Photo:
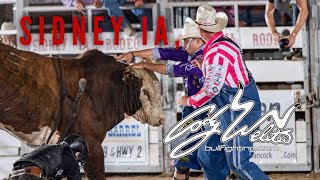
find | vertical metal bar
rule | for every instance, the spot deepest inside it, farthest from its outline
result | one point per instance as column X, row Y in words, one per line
column 20, row 5
column 315, row 60
column 89, row 20
column 311, row 83
column 166, row 84
column 236, row 15
column 155, row 14
column 14, row 9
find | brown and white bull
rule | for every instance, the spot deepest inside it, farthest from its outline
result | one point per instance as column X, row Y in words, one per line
column 29, row 98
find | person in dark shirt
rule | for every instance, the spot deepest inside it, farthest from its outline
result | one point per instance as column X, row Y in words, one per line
column 52, row 161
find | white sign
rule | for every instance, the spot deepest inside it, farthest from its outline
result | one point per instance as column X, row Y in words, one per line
column 254, row 37
column 247, row 37
column 126, row 44
column 126, row 143
column 270, row 153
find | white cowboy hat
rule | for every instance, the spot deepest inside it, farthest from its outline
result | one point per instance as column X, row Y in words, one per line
column 208, row 19
column 8, row 26
column 189, row 30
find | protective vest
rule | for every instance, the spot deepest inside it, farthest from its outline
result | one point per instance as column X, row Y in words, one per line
column 48, row 158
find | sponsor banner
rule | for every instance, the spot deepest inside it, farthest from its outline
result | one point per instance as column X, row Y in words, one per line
column 254, row 37
column 127, row 143
column 247, row 37
column 262, row 38
column 126, row 44
column 268, row 153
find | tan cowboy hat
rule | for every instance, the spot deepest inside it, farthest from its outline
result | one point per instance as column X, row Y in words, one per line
column 189, row 30
column 8, row 26
column 208, row 19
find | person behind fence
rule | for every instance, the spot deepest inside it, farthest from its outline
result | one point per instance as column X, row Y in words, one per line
column 192, row 77
column 52, row 161
column 80, row 6
column 113, row 7
column 281, row 5
column 223, row 68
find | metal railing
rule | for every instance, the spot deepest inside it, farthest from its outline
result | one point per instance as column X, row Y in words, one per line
column 234, row 4
column 7, row 2
column 90, row 9
column 24, row 9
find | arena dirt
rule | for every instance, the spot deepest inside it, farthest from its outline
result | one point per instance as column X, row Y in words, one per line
column 282, row 176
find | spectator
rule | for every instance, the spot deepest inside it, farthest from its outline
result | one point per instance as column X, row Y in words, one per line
column 53, row 161
column 113, row 7
column 6, row 26
column 271, row 6
column 80, row 6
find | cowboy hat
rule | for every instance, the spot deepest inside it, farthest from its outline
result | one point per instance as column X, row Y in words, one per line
column 189, row 30
column 208, row 19
column 8, row 26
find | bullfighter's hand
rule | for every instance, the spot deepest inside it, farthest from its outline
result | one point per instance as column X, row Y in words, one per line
column 79, row 6
column 125, row 56
column 140, row 65
column 98, row 3
column 183, row 101
column 197, row 63
column 292, row 39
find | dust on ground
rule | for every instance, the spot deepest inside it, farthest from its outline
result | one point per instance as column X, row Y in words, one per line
column 198, row 176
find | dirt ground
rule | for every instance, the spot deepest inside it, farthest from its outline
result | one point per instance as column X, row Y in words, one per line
column 278, row 176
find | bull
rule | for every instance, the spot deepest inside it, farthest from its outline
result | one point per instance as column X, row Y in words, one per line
column 30, row 98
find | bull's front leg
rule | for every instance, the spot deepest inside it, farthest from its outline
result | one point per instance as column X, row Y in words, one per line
column 94, row 167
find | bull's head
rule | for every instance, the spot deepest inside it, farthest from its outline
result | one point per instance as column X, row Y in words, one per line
column 151, row 111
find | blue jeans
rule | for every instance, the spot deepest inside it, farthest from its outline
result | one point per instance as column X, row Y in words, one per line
column 113, row 7
column 238, row 161
column 189, row 161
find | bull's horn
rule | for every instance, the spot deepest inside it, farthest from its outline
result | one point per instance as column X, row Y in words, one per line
column 128, row 74
column 141, row 73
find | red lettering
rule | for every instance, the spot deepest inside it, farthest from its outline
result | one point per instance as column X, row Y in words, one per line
column 262, row 39
column 35, row 47
column 116, row 28
column 269, row 39
column 161, row 27
column 41, row 30
column 55, row 21
column 144, row 30
column 43, row 47
column 255, row 40
column 122, row 44
column 78, row 30
column 108, row 44
column 85, row 46
column 97, row 30
column 27, row 41
column 129, row 40
column 136, row 43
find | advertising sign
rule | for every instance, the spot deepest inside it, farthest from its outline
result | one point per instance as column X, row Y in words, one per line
column 126, row 143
